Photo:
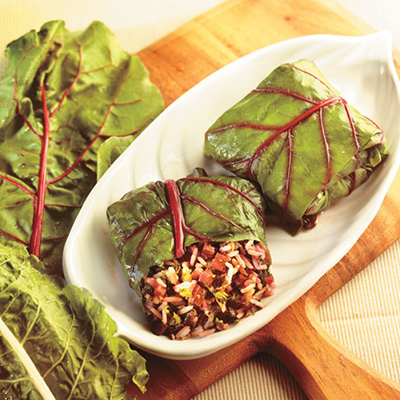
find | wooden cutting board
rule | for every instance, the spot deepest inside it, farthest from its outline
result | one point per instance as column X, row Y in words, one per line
column 323, row 368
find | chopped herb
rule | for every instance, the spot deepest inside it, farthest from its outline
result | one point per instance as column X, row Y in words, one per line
column 185, row 292
column 175, row 320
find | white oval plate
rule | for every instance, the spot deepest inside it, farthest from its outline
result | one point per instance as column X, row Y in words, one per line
column 361, row 68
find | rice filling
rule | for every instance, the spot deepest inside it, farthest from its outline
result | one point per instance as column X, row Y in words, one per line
column 211, row 286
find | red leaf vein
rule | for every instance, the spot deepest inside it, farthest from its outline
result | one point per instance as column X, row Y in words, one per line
column 150, row 222
column 13, row 237
column 285, row 128
column 73, row 83
column 204, row 207
column 285, row 92
column 326, row 148
column 288, row 169
column 98, row 134
column 357, row 143
column 12, row 181
column 313, row 76
column 229, row 187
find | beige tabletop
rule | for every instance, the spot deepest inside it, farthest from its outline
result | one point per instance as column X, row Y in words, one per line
column 365, row 314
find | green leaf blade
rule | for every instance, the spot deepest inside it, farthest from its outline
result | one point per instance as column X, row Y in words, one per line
column 63, row 332
column 110, row 150
column 63, row 94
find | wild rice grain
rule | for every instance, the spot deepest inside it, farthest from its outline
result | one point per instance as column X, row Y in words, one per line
column 156, row 312
column 257, row 303
column 172, row 275
column 196, row 331
column 185, row 310
column 202, row 261
column 182, row 286
column 246, row 261
column 207, row 332
column 193, row 258
column 229, row 275
column 161, row 282
column 248, row 288
column 164, row 318
column 249, row 245
column 175, row 300
column 183, row 332
column 226, row 248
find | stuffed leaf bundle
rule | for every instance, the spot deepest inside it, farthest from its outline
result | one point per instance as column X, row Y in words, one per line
column 195, row 251
column 304, row 145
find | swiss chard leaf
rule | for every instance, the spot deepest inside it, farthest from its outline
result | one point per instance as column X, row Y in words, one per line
column 299, row 139
column 62, row 94
column 57, row 342
column 110, row 150
column 159, row 221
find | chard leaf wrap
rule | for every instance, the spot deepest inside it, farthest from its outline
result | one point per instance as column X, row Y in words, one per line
column 304, row 145
column 158, row 221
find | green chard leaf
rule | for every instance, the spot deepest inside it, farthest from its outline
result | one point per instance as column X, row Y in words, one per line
column 157, row 222
column 110, row 150
column 299, row 140
column 57, row 342
column 61, row 96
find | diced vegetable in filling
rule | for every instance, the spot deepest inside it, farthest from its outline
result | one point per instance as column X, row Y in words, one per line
column 210, row 287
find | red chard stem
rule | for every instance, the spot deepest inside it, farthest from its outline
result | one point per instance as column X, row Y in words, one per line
column 42, row 185
column 177, row 217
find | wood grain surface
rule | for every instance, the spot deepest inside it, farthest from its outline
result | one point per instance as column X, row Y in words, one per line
column 323, row 368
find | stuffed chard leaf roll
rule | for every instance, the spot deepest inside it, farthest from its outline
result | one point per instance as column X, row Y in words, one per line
column 195, row 251
column 300, row 140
